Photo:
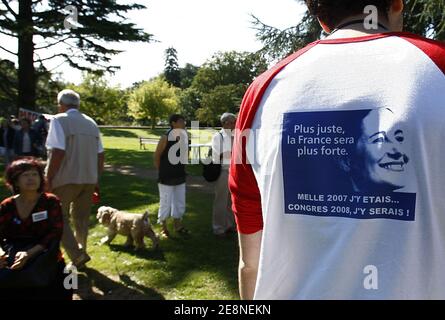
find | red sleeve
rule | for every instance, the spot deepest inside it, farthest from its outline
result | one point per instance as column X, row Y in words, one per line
column 56, row 221
column 433, row 49
column 246, row 197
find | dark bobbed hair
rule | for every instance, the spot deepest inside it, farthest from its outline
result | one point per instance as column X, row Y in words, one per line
column 18, row 167
column 175, row 118
column 332, row 12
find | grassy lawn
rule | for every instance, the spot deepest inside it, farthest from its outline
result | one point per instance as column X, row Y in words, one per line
column 122, row 147
column 199, row 266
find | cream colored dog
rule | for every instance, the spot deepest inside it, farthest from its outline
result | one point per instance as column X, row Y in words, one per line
column 133, row 226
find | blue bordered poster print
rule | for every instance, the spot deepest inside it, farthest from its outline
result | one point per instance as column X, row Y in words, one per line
column 350, row 164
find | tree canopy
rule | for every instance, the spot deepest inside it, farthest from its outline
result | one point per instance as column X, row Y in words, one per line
column 153, row 100
column 220, row 83
column 104, row 103
column 423, row 17
column 171, row 72
column 42, row 33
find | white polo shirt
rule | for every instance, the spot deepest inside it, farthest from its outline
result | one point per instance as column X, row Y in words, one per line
column 56, row 135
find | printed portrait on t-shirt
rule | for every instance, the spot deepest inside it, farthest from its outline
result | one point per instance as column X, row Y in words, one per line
column 379, row 161
column 353, row 163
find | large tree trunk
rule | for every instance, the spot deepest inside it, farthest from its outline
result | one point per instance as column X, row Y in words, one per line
column 26, row 74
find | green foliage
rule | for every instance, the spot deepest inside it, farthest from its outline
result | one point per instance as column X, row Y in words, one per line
column 171, row 72
column 228, row 68
column 189, row 101
column 39, row 25
column 8, row 91
column 423, row 17
column 221, row 82
column 426, row 17
column 47, row 88
column 225, row 98
column 153, row 100
column 278, row 44
column 105, row 104
column 187, row 74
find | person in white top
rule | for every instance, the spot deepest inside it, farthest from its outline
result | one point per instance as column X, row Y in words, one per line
column 338, row 188
column 75, row 162
column 223, row 221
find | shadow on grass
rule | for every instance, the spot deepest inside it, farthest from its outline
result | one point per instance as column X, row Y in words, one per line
column 142, row 159
column 118, row 133
column 127, row 133
column 184, row 257
column 97, row 286
column 201, row 250
column 148, row 253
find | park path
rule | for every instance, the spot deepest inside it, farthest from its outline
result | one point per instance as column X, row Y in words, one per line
column 194, row 183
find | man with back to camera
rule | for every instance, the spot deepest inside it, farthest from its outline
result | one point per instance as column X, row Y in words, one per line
column 379, row 244
column 75, row 162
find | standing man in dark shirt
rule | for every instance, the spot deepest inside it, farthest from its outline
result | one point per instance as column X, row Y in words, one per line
column 170, row 158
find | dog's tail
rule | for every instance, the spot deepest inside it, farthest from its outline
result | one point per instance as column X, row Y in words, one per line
column 145, row 218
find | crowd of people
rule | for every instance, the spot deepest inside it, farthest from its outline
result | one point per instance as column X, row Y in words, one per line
column 52, row 200
column 20, row 137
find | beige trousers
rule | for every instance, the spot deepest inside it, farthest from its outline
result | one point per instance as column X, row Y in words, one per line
column 76, row 202
column 223, row 219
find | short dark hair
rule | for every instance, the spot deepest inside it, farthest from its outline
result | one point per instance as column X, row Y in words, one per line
column 17, row 167
column 332, row 12
column 175, row 118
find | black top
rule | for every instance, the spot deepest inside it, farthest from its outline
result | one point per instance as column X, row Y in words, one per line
column 171, row 174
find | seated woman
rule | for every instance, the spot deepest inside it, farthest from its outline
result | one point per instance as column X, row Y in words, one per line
column 31, row 223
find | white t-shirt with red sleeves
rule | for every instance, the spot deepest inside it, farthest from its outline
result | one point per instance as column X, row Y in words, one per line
column 343, row 170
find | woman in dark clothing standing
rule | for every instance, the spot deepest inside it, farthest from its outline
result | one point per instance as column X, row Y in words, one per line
column 171, row 155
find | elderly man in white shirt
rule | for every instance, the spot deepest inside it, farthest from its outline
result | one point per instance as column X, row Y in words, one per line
column 75, row 162
column 223, row 219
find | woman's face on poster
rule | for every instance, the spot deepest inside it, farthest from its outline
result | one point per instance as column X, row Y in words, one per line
column 381, row 149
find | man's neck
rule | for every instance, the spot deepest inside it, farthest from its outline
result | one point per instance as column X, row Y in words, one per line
column 358, row 29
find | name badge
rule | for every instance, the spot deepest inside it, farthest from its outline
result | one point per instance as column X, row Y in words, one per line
column 39, row 216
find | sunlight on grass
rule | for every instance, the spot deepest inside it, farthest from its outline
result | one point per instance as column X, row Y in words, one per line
column 199, row 266
column 122, row 147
